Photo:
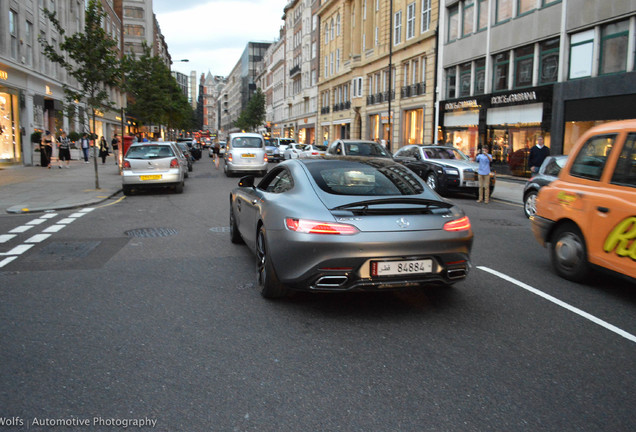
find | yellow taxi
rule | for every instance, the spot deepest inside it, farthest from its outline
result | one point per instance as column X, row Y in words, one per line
column 587, row 217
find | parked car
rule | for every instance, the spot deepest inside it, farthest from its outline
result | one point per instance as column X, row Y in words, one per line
column 345, row 147
column 314, row 150
column 245, row 153
column 153, row 164
column 193, row 146
column 548, row 172
column 186, row 153
column 445, row 169
column 293, row 151
column 272, row 150
column 587, row 217
column 283, row 143
column 348, row 224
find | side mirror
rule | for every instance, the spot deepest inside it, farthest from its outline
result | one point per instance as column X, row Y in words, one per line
column 247, row 181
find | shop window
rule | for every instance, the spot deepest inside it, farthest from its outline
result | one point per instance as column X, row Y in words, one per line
column 500, row 77
column 482, row 14
column 468, row 17
column 581, row 51
column 614, row 38
column 453, row 24
column 503, row 10
column 451, row 82
column 414, row 126
column 591, row 159
column 524, row 60
column 464, row 79
column 480, row 76
column 548, row 61
column 525, row 6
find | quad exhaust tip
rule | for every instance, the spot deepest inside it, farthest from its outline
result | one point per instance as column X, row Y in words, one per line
column 330, row 281
column 456, row 273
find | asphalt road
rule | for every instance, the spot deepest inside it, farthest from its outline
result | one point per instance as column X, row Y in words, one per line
column 143, row 309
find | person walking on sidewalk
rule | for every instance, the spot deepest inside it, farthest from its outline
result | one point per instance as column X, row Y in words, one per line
column 103, row 149
column 84, row 145
column 115, row 144
column 484, row 159
column 64, row 150
column 46, row 149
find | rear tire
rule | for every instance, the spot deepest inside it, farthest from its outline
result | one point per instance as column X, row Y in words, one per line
column 568, row 253
column 235, row 235
column 127, row 190
column 178, row 188
column 266, row 278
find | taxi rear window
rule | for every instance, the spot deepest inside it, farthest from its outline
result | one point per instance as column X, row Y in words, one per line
column 625, row 172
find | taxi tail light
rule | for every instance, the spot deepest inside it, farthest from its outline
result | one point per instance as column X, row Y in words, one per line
column 316, row 227
column 265, row 158
column 174, row 163
column 229, row 157
column 462, row 224
column 126, row 164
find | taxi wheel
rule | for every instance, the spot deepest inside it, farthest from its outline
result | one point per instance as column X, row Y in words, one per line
column 568, row 253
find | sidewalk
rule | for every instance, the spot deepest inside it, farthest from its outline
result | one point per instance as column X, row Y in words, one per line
column 36, row 189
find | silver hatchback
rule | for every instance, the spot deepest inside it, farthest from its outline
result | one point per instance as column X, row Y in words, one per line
column 153, row 164
column 245, row 153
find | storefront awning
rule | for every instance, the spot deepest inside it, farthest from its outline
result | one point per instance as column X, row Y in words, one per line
column 531, row 113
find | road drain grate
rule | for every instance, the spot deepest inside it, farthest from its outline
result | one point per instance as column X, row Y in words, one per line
column 151, row 232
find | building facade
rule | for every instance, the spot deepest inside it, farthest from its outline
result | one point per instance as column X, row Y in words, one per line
column 212, row 86
column 375, row 60
column 32, row 95
column 571, row 68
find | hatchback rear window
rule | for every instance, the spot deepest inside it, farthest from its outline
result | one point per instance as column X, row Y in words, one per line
column 353, row 178
column 149, row 152
column 247, row 142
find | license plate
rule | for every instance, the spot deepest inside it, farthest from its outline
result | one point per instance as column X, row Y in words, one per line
column 249, row 155
column 472, row 184
column 150, row 177
column 392, row 268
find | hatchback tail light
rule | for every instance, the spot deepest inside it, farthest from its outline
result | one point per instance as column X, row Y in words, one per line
column 229, row 157
column 462, row 224
column 126, row 164
column 174, row 163
column 315, row 227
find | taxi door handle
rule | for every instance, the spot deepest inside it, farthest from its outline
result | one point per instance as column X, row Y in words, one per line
column 603, row 209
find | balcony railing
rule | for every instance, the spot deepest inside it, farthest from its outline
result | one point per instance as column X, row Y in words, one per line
column 324, row 110
column 413, row 90
column 380, row 98
column 295, row 70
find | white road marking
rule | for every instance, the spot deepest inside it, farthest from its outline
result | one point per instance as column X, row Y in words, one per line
column 77, row 215
column 49, row 216
column 6, row 237
column 564, row 305
column 38, row 238
column 66, row 221
column 7, row 260
column 21, row 229
column 36, row 221
column 53, row 228
column 18, row 250
column 87, row 210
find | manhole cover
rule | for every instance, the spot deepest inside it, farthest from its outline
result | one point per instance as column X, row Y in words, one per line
column 220, row 229
column 151, row 232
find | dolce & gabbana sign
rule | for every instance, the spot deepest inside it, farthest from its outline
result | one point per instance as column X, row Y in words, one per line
column 451, row 106
column 514, row 98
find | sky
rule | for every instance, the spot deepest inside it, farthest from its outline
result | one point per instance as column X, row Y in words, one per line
column 212, row 34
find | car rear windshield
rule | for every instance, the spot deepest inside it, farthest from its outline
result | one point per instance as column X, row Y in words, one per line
column 366, row 149
column 247, row 142
column 365, row 178
column 149, row 152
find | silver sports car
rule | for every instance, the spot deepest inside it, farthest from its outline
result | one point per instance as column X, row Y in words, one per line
column 348, row 223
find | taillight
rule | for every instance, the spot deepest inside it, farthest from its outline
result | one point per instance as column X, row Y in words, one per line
column 126, row 164
column 462, row 224
column 315, row 227
column 265, row 158
column 229, row 157
column 174, row 163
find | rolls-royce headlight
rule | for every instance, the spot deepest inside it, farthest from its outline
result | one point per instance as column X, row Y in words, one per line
column 451, row 171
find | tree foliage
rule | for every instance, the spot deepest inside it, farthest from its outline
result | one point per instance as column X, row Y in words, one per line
column 253, row 115
column 91, row 58
column 155, row 96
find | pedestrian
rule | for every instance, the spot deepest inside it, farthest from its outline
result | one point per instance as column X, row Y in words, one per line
column 538, row 153
column 483, row 172
column 115, row 145
column 216, row 150
column 84, row 145
column 46, row 149
column 64, row 150
column 103, row 149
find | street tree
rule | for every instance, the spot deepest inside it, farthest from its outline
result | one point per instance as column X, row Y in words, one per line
column 155, row 96
column 253, row 115
column 92, row 58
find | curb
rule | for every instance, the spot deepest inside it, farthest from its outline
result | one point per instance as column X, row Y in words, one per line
column 22, row 210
